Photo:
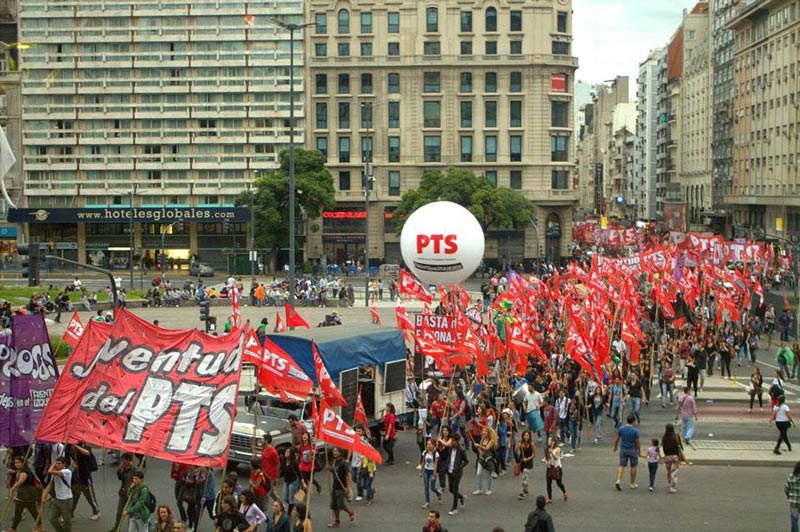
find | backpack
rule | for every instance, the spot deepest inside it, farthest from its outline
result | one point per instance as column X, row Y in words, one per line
column 92, row 462
column 775, row 390
column 151, row 501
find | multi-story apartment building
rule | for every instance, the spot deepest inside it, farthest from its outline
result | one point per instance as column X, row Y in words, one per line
column 644, row 173
column 618, row 161
column 720, row 12
column 765, row 197
column 411, row 86
column 695, row 176
column 173, row 106
column 10, row 119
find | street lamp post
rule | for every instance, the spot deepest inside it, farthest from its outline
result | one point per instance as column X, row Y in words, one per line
column 367, row 184
column 292, row 28
column 252, row 231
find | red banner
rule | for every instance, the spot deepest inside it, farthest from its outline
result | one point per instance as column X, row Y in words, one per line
column 136, row 387
column 74, row 330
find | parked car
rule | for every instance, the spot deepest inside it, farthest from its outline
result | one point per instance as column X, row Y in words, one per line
column 201, row 269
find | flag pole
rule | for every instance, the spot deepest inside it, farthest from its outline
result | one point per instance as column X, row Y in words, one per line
column 8, row 501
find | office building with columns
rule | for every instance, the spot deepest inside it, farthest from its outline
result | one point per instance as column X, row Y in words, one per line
column 410, row 86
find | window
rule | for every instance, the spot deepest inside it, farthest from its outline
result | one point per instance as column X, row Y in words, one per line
column 320, row 23
column 431, row 48
column 561, row 22
column 393, row 49
column 515, row 148
column 558, row 148
column 491, row 48
column 394, row 183
column 559, row 112
column 515, row 47
column 466, row 114
column 322, row 115
column 366, row 150
column 491, row 19
column 491, row 148
column 490, row 113
column 515, row 179
column 394, row 149
column 466, row 47
column 366, row 49
column 344, row 115
column 394, row 114
column 466, row 21
column 321, row 84
column 466, row 82
column 393, row 22
column 366, row 22
column 432, row 114
column 559, row 180
column 432, row 149
column 515, row 113
column 322, row 146
column 515, row 84
column 344, row 84
column 560, row 48
column 431, row 20
column 344, row 180
column 432, row 82
column 490, row 82
column 366, row 83
column 366, row 116
column 343, row 49
column 394, row 83
column 321, row 49
column 343, row 22
column 466, row 148
column 516, row 20
column 344, row 150
column 491, row 177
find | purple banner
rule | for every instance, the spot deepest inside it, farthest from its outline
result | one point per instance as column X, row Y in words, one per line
column 28, row 373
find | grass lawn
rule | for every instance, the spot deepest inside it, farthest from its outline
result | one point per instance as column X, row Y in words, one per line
column 19, row 295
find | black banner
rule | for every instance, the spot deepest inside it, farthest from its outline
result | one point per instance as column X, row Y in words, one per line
column 123, row 214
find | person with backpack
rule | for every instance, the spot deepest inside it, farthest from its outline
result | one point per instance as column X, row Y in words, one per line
column 61, row 486
column 140, row 504
column 539, row 520
column 27, row 490
column 85, row 465
column 775, row 389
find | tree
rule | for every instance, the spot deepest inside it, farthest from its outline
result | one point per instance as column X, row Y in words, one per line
column 314, row 193
column 496, row 208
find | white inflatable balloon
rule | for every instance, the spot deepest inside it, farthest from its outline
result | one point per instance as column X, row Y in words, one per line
column 442, row 243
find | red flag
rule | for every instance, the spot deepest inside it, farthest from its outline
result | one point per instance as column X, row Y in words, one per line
column 74, row 330
column 331, row 428
column 373, row 311
column 293, row 319
column 280, row 374
column 464, row 296
column 404, row 323
column 251, row 351
column 759, row 291
column 237, row 315
column 360, row 415
column 279, row 327
column 786, row 301
column 409, row 285
column 327, row 388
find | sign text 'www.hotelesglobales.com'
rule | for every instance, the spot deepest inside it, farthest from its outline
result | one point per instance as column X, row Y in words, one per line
column 137, row 387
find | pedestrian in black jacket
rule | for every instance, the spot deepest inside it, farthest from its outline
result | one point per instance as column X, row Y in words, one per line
column 456, row 462
column 539, row 520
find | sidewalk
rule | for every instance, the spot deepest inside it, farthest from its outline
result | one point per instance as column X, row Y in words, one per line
column 738, row 453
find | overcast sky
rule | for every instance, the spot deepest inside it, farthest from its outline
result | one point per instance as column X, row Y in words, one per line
column 613, row 36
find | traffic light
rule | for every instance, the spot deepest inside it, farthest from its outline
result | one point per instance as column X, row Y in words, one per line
column 205, row 310
column 30, row 263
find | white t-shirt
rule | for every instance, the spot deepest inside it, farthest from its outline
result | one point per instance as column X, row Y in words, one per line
column 63, row 485
column 781, row 412
column 534, row 400
column 429, row 460
column 355, row 460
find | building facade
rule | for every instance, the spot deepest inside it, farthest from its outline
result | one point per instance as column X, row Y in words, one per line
column 10, row 121
column 647, row 119
column 765, row 197
column 720, row 12
column 409, row 86
column 147, row 105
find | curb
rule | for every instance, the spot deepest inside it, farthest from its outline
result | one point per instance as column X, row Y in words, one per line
column 748, row 462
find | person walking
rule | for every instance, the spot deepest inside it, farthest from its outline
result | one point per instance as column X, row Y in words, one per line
column 598, row 406
column 137, row 509
column 390, row 432
column 27, row 490
column 85, row 465
column 673, row 455
column 340, row 488
column 432, row 523
column 533, row 403
column 782, row 418
column 429, row 462
column 792, row 491
column 756, row 388
column 526, row 454
column 555, row 471
column 290, row 474
column 627, row 441
column 668, row 384
column 61, row 486
column 486, row 460
column 125, row 476
column 539, row 520
column 456, row 462
column 686, row 411
column 653, row 456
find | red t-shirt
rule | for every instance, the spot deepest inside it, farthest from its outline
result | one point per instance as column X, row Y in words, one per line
column 262, row 488
column 388, row 427
column 305, row 455
column 270, row 462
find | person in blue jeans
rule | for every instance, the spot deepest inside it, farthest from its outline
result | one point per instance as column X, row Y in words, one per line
column 653, row 456
column 792, row 491
column 430, row 464
column 627, row 442
column 619, row 394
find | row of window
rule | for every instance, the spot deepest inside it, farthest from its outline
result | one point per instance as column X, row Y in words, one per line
column 434, row 48
column 432, row 83
column 559, row 180
column 432, row 148
column 432, row 114
column 490, row 21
